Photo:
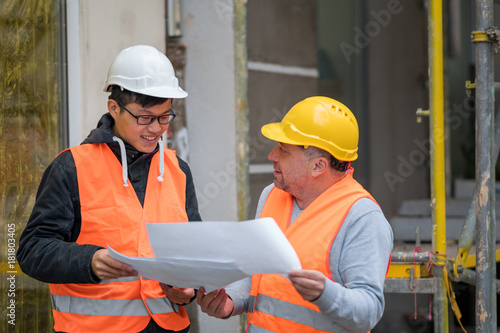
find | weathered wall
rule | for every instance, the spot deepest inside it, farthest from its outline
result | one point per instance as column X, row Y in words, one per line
column 210, row 79
column 282, row 70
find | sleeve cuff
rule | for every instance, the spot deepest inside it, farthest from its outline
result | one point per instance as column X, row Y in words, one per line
column 324, row 301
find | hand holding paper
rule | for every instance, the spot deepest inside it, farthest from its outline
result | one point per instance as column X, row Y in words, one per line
column 213, row 254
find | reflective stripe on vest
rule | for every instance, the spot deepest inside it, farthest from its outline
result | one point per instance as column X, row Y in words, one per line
column 292, row 312
column 255, row 329
column 113, row 215
column 159, row 305
column 111, row 307
column 99, row 307
column 123, row 279
column 276, row 305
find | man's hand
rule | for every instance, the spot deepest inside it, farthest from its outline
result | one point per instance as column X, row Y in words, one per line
column 309, row 284
column 105, row 267
column 216, row 304
column 180, row 296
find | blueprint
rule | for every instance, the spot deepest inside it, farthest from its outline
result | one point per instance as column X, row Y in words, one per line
column 213, row 254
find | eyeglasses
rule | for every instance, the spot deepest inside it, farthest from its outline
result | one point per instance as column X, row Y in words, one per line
column 148, row 120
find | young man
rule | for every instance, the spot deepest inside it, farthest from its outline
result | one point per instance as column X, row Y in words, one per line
column 339, row 232
column 101, row 193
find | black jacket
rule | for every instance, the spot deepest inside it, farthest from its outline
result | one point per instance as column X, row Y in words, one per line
column 47, row 249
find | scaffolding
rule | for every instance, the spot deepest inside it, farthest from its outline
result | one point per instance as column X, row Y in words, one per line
column 409, row 271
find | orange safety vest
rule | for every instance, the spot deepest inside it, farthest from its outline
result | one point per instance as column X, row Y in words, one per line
column 274, row 304
column 112, row 214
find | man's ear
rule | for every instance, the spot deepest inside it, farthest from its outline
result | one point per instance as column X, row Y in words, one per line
column 320, row 166
column 113, row 108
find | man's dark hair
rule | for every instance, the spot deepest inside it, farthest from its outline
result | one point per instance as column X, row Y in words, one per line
column 125, row 97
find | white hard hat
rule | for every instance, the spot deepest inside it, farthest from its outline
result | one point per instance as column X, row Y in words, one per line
column 145, row 70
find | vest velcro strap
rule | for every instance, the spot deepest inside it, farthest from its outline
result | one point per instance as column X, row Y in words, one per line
column 293, row 312
column 255, row 329
column 99, row 307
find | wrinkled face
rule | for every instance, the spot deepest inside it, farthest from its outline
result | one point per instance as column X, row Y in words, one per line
column 143, row 137
column 291, row 168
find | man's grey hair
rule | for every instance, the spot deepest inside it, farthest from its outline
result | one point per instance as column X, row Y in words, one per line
column 313, row 152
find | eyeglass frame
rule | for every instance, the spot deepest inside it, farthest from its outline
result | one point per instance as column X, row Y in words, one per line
column 153, row 118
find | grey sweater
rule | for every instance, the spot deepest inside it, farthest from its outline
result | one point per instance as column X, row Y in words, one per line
column 354, row 300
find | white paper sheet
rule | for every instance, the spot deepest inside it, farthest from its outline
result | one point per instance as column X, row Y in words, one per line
column 213, row 254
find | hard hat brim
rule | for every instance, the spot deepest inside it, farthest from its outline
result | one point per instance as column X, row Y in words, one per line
column 161, row 92
column 273, row 131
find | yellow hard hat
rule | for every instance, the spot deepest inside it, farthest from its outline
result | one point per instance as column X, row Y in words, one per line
column 320, row 122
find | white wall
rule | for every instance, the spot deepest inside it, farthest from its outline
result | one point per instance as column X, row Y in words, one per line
column 210, row 112
column 210, row 81
column 105, row 28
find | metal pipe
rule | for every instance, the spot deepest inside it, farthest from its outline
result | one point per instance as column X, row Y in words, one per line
column 410, row 257
column 438, row 189
column 438, row 186
column 469, row 276
column 241, row 109
column 485, row 194
column 469, row 228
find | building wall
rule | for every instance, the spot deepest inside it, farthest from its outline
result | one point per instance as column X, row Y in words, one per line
column 210, row 107
column 397, row 87
column 282, row 70
column 210, row 77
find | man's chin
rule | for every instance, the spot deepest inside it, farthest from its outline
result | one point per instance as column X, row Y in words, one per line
column 145, row 151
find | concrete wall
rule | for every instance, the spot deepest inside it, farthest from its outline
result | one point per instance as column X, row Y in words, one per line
column 282, row 70
column 210, row 107
column 210, row 116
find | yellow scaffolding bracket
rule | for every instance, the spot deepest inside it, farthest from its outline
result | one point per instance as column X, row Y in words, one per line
column 397, row 270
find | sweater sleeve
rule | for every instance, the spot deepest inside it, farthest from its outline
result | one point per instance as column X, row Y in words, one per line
column 359, row 258
column 239, row 293
column 47, row 249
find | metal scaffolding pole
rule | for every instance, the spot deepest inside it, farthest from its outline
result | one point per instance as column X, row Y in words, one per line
column 485, row 176
column 469, row 229
column 438, row 185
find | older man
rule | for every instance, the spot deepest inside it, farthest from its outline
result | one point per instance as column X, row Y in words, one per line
column 337, row 229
